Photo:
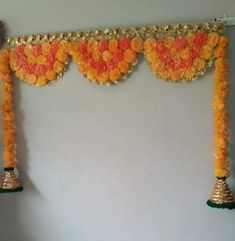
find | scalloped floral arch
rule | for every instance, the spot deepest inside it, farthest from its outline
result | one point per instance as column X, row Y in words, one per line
column 176, row 53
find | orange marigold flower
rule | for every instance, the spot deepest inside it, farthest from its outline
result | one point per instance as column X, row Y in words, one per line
column 220, row 52
column 113, row 45
column 149, row 44
column 199, row 64
column 206, row 52
column 222, row 173
column 61, row 55
column 213, row 39
column 51, row 75
column 221, row 64
column 177, row 75
column 92, row 74
column 46, row 48
column 103, row 77
column 8, row 156
column 223, row 42
column 169, row 41
column 115, row 74
column 190, row 37
column 9, row 164
column 123, row 66
column 137, row 44
column 130, row 55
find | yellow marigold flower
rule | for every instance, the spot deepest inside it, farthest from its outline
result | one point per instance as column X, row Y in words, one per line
column 177, row 75
column 30, row 78
column 123, row 66
column 137, row 44
column 151, row 56
column 28, row 49
column 70, row 47
column 91, row 44
column 206, row 52
column 78, row 58
column 199, row 64
column 20, row 73
column 103, row 77
column 96, row 55
column 130, row 56
column 165, row 74
column 46, row 48
column 83, row 68
column 213, row 39
column 190, row 37
column 58, row 67
column 169, row 41
column 115, row 75
column 107, row 55
column 113, row 45
column 41, row 59
column 61, row 55
column 190, row 73
column 51, row 75
column 221, row 142
column 184, row 53
column 32, row 60
column 41, row 81
column 149, row 44
column 92, row 74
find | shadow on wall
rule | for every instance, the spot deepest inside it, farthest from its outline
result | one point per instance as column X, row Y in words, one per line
column 11, row 213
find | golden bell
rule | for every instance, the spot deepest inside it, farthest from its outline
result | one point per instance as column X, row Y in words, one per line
column 10, row 182
column 221, row 196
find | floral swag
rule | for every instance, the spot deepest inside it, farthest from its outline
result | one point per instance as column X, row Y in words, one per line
column 178, row 53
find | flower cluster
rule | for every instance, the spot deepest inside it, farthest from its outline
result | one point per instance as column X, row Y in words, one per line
column 39, row 64
column 105, row 61
column 180, row 58
column 8, row 115
column 220, row 109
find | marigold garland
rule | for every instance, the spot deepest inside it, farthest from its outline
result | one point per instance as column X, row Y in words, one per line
column 181, row 58
column 106, row 61
column 220, row 109
column 39, row 64
column 8, row 114
column 177, row 53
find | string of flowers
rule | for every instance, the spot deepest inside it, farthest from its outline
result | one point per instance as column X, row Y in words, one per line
column 8, row 114
column 106, row 61
column 182, row 58
column 221, row 133
column 39, row 64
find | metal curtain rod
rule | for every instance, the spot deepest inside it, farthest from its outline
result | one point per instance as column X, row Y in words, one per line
column 228, row 21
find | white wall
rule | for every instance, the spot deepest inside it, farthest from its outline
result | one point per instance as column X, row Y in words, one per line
column 132, row 162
